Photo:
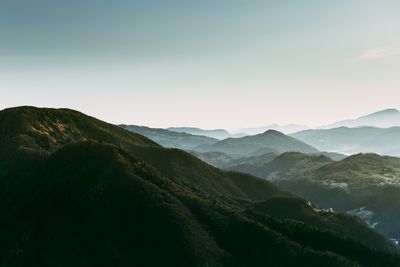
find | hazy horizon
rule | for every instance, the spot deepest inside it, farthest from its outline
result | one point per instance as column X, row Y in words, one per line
column 208, row 64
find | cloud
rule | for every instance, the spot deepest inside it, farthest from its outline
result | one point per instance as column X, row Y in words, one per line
column 378, row 53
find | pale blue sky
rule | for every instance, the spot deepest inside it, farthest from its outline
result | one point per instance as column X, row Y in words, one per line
column 209, row 63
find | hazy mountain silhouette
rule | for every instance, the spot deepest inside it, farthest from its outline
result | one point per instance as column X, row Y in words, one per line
column 286, row 129
column 173, row 139
column 383, row 141
column 217, row 133
column 76, row 191
column 383, row 119
column 270, row 141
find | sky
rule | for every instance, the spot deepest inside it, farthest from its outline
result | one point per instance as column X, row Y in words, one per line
column 210, row 63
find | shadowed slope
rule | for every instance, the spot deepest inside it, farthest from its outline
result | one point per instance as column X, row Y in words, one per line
column 368, row 184
column 94, row 204
column 283, row 164
column 126, row 202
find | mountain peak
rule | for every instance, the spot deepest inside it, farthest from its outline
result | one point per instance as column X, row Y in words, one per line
column 271, row 131
column 49, row 129
column 214, row 133
column 385, row 118
column 389, row 111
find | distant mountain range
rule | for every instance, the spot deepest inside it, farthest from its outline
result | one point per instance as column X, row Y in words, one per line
column 384, row 141
column 383, row 119
column 223, row 134
column 171, row 139
column 217, row 133
column 76, row 191
column 269, row 141
column 350, row 138
column 286, row 129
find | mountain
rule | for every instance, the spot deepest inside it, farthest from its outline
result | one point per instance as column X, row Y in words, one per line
column 77, row 191
column 383, row 119
column 216, row 159
column 278, row 166
column 217, row 133
column 229, row 161
column 270, row 141
column 225, row 161
column 383, row 141
column 332, row 155
column 367, row 185
column 171, row 139
column 286, row 129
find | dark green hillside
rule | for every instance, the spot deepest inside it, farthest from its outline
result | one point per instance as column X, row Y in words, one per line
column 227, row 161
column 283, row 164
column 224, row 161
column 108, row 197
column 270, row 141
column 216, row 159
column 357, row 172
column 368, row 184
column 94, row 204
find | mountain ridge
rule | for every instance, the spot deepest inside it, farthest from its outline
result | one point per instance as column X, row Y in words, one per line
column 172, row 139
column 215, row 133
column 286, row 129
column 91, row 193
column 354, row 140
column 271, row 140
column 383, row 119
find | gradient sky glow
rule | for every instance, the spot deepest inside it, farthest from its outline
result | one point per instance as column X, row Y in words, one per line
column 210, row 63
